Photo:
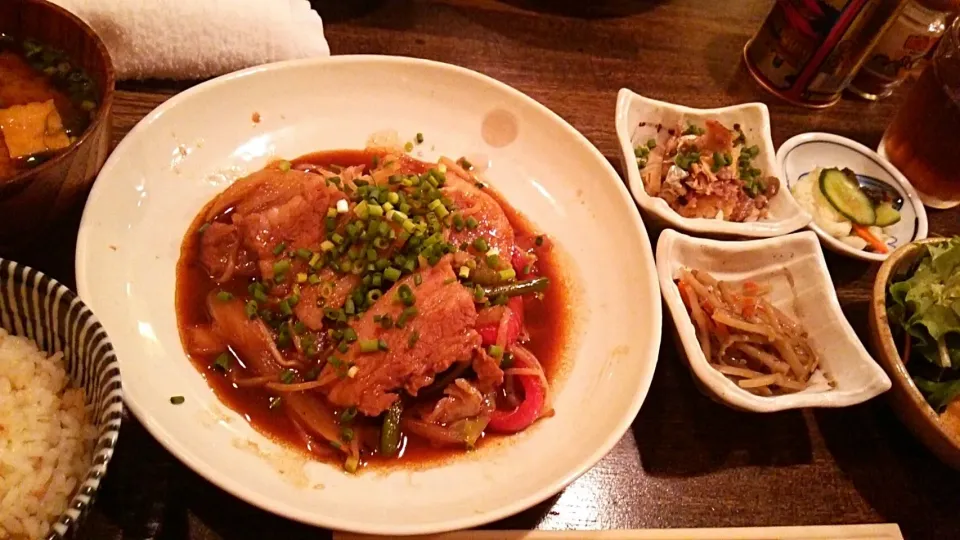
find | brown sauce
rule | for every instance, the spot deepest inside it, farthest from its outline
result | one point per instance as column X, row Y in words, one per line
column 546, row 321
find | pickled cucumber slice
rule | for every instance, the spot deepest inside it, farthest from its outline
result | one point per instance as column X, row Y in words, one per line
column 845, row 195
column 886, row 215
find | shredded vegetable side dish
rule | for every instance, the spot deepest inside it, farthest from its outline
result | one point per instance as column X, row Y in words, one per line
column 366, row 306
column 745, row 337
column 706, row 172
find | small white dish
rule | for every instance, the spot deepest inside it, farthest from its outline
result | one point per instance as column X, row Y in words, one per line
column 803, row 153
column 194, row 145
column 785, row 215
column 811, row 301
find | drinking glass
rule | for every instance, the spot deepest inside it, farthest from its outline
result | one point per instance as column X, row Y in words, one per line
column 923, row 141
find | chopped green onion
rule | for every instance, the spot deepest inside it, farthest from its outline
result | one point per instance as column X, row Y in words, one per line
column 222, row 362
column 405, row 294
column 472, row 222
column 651, row 144
column 337, row 238
column 419, row 138
column 375, row 210
column 369, row 345
column 386, row 322
column 373, row 295
column 346, row 434
column 313, row 279
column 287, row 376
column 417, row 279
column 391, row 273
column 496, row 351
column 278, row 249
column 406, row 315
column 177, row 400
column 281, row 266
column 508, row 274
column 412, row 340
column 361, row 210
column 347, row 415
column 464, row 272
column 349, row 335
column 251, row 309
column 349, row 307
column 481, row 245
column 284, row 166
column 382, row 345
column 304, row 254
column 224, row 296
column 408, row 147
column 284, row 306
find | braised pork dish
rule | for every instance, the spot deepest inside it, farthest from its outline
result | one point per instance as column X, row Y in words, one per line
column 367, row 307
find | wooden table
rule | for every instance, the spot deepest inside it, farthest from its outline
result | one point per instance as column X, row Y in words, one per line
column 686, row 461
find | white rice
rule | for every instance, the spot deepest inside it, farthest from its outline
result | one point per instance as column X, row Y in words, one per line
column 46, row 438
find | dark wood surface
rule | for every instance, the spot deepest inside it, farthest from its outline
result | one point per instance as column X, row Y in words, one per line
column 686, row 461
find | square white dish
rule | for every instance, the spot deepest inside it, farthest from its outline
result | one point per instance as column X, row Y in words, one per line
column 785, row 215
column 811, row 301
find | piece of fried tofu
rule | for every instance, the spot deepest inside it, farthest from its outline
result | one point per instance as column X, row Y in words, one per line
column 34, row 128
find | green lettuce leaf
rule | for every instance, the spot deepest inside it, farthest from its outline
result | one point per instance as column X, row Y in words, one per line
column 938, row 394
column 927, row 304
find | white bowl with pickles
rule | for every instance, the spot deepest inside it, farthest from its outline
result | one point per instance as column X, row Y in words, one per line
column 706, row 171
column 862, row 206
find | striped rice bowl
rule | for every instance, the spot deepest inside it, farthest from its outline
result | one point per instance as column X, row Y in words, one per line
column 46, row 438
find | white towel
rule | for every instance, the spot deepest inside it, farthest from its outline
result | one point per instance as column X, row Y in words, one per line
column 195, row 39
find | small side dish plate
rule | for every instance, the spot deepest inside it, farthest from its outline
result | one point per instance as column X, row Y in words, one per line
column 197, row 143
column 785, row 215
column 810, row 300
column 804, row 153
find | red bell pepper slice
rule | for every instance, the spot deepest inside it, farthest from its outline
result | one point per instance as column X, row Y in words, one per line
column 488, row 332
column 526, row 413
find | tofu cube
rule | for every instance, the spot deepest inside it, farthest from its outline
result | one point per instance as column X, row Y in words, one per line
column 32, row 129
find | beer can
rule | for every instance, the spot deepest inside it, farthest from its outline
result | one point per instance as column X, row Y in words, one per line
column 807, row 51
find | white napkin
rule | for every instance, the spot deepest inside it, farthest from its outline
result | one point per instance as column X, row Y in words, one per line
column 195, row 39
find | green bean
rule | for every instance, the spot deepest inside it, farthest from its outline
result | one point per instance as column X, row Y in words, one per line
column 518, row 288
column 390, row 433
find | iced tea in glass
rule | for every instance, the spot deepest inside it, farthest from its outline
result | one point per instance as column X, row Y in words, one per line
column 923, row 141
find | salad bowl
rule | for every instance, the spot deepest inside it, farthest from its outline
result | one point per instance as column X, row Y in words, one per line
column 940, row 432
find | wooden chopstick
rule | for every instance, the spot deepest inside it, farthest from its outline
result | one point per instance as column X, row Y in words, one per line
column 884, row 531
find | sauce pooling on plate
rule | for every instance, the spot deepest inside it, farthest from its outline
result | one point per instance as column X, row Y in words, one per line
column 367, row 307
column 45, row 104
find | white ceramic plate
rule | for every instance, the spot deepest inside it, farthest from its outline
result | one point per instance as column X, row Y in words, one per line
column 811, row 301
column 785, row 216
column 803, row 153
column 192, row 146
